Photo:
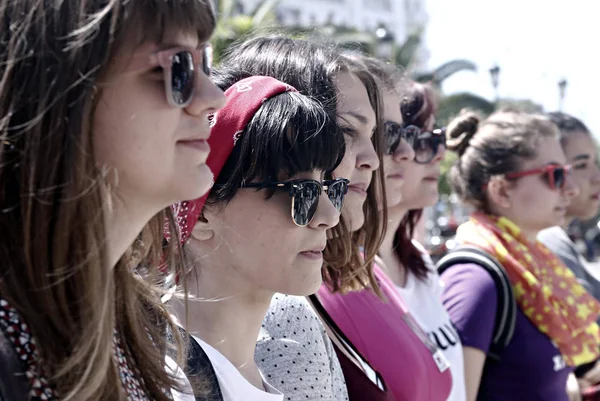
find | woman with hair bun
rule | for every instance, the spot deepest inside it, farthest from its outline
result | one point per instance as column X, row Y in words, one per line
column 513, row 171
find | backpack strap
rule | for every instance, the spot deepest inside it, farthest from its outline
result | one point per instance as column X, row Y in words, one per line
column 506, row 312
column 199, row 370
column 13, row 382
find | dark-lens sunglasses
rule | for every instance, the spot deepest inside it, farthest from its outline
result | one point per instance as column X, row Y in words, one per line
column 179, row 68
column 426, row 144
column 394, row 134
column 555, row 174
column 305, row 195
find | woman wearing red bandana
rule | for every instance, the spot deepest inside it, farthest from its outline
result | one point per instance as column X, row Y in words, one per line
column 512, row 169
column 294, row 349
column 262, row 228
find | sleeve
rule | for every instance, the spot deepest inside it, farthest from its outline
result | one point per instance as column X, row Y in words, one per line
column 296, row 356
column 554, row 239
column 469, row 295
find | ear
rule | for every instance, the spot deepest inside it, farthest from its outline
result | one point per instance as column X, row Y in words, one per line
column 499, row 192
column 203, row 230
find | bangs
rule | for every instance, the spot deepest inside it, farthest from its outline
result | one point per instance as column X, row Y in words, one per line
column 150, row 20
column 290, row 134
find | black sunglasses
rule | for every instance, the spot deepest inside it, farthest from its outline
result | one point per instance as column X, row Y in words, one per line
column 179, row 68
column 305, row 195
column 425, row 143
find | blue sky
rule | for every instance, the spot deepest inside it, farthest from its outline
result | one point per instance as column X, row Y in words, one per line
column 534, row 42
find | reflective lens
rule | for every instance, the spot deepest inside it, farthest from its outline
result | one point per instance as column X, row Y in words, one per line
column 207, row 60
column 182, row 77
column 336, row 191
column 394, row 133
column 428, row 144
column 305, row 201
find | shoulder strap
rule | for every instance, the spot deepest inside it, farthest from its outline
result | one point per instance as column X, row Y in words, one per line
column 506, row 312
column 199, row 369
column 343, row 342
column 13, row 383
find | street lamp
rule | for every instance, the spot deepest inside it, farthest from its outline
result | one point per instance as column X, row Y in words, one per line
column 495, row 74
column 386, row 41
column 562, row 90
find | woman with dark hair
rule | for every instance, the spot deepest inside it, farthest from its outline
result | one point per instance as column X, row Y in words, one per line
column 581, row 151
column 294, row 350
column 387, row 330
column 103, row 125
column 513, row 171
column 273, row 147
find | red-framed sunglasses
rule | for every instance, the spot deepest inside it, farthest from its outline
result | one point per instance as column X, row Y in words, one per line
column 555, row 174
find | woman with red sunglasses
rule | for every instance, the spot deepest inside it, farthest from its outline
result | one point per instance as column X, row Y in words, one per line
column 512, row 170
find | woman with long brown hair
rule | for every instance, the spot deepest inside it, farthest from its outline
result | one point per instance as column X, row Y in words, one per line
column 385, row 329
column 103, row 124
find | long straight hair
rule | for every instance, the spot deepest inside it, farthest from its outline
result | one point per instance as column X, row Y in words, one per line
column 54, row 265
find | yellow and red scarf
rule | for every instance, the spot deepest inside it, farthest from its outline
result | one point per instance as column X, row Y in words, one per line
column 546, row 290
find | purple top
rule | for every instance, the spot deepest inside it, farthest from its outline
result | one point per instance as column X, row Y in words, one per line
column 531, row 367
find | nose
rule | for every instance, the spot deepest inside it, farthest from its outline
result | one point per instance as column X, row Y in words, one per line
column 208, row 97
column 366, row 156
column 326, row 215
column 403, row 152
column 570, row 189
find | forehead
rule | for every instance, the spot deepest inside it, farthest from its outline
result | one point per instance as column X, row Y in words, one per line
column 579, row 144
column 136, row 43
column 549, row 151
column 353, row 98
column 391, row 107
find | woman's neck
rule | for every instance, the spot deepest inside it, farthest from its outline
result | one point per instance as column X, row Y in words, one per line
column 230, row 322
column 123, row 224
column 387, row 253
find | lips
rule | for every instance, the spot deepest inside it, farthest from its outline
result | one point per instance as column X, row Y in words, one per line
column 396, row 176
column 316, row 248
column 359, row 188
column 315, row 253
column 435, row 178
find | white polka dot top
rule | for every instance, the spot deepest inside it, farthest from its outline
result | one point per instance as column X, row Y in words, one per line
column 295, row 354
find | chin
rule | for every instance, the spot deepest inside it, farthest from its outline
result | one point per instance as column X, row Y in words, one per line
column 303, row 288
column 393, row 201
column 354, row 217
column 196, row 184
